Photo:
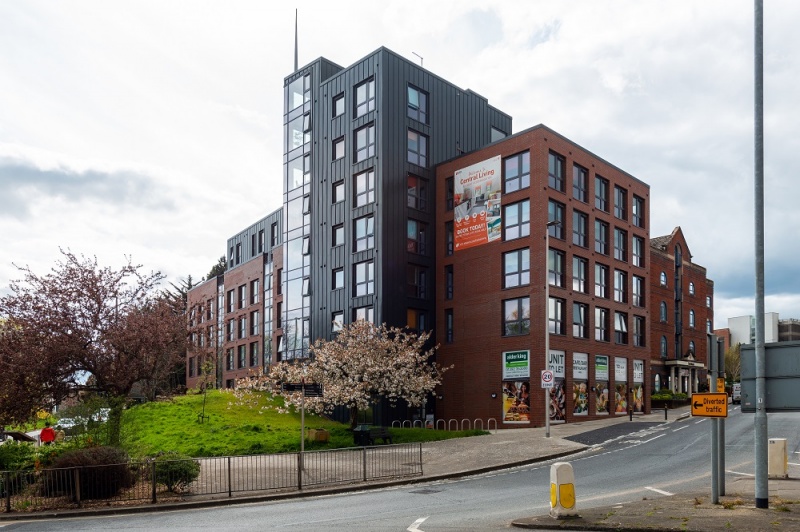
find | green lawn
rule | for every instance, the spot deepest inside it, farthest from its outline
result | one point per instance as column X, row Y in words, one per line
column 231, row 429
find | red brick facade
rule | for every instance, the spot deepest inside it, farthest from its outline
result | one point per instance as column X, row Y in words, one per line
column 476, row 341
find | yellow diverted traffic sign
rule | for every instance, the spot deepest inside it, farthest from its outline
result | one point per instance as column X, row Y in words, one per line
column 710, row 404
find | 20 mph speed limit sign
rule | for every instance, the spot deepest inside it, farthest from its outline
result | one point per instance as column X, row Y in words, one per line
column 547, row 378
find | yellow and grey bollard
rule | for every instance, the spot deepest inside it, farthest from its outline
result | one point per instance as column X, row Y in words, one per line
column 562, row 491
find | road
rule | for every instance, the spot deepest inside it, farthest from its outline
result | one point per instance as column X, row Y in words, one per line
column 660, row 460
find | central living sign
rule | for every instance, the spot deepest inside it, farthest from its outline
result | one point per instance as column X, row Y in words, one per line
column 476, row 191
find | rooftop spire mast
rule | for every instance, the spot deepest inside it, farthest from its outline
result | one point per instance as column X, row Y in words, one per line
column 295, row 40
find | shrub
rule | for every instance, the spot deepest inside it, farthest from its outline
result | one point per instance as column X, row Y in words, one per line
column 176, row 471
column 16, row 455
column 102, row 472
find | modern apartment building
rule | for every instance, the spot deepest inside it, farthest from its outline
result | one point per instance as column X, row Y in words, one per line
column 538, row 237
column 681, row 304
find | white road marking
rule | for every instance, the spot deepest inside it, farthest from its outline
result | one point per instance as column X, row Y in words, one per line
column 738, row 473
column 662, row 492
column 792, row 463
column 415, row 525
column 680, row 428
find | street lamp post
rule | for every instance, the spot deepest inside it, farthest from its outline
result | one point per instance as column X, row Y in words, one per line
column 547, row 321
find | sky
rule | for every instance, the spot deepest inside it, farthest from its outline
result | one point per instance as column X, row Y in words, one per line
column 151, row 130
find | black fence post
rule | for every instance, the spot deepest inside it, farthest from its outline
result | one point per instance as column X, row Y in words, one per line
column 76, row 475
column 230, row 488
column 364, row 462
column 153, row 476
column 420, row 459
column 7, row 488
column 299, row 471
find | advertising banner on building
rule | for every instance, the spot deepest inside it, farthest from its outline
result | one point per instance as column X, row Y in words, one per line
column 558, row 394
column 580, row 384
column 601, row 383
column 638, row 386
column 476, row 198
column 516, row 402
column 516, row 386
column 621, row 385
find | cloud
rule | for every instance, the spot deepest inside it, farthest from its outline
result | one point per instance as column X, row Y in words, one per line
column 24, row 184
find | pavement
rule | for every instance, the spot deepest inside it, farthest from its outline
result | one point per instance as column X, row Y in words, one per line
column 507, row 448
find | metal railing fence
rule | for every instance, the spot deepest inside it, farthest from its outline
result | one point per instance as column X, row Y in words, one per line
column 173, row 480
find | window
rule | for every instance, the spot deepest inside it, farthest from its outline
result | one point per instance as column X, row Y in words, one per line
column 416, row 320
column 242, row 296
column 254, row 323
column 365, row 188
column 338, row 192
column 638, row 211
column 417, row 192
column 229, row 360
column 580, row 273
column 620, row 244
column 299, row 91
column 663, row 312
column 663, row 279
column 555, row 213
column 364, row 233
column 365, row 97
column 691, row 347
column 238, row 253
column 231, row 299
column 273, row 234
column 449, row 238
column 620, row 203
column 417, row 104
column 557, row 316
column 580, row 328
column 338, row 148
column 364, row 313
column 708, row 301
column 338, row 235
column 364, row 143
column 580, row 230
column 449, row 193
column 497, row 134
column 601, row 237
column 449, row 281
column 620, row 286
column 365, row 278
column 516, row 268
column 555, row 171
column 601, row 193
column 517, row 172
column 338, row 105
column 279, row 315
column 243, row 327
column 448, row 325
column 517, row 220
column 601, row 280
column 337, row 320
column 691, row 319
column 620, row 328
column 637, row 291
column 664, row 347
column 709, row 329
column 338, row 279
column 242, row 351
column 691, row 288
column 261, row 241
column 417, row 148
column 555, row 268
column 638, row 331
column 192, row 366
column 306, row 245
column 415, row 237
column 416, row 277
column 601, row 324
column 516, row 316
column 580, row 183
column 254, row 354
column 638, row 251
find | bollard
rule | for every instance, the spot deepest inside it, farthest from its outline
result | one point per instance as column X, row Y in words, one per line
column 562, row 491
column 665, row 412
column 630, row 414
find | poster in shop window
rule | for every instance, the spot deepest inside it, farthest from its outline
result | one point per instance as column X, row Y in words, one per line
column 558, row 395
column 580, row 384
column 516, row 387
column 638, row 386
column 476, row 190
column 621, row 382
column 601, row 383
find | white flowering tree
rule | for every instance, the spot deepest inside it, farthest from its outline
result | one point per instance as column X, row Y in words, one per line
column 364, row 362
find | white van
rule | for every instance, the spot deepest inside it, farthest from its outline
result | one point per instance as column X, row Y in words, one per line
column 736, row 393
